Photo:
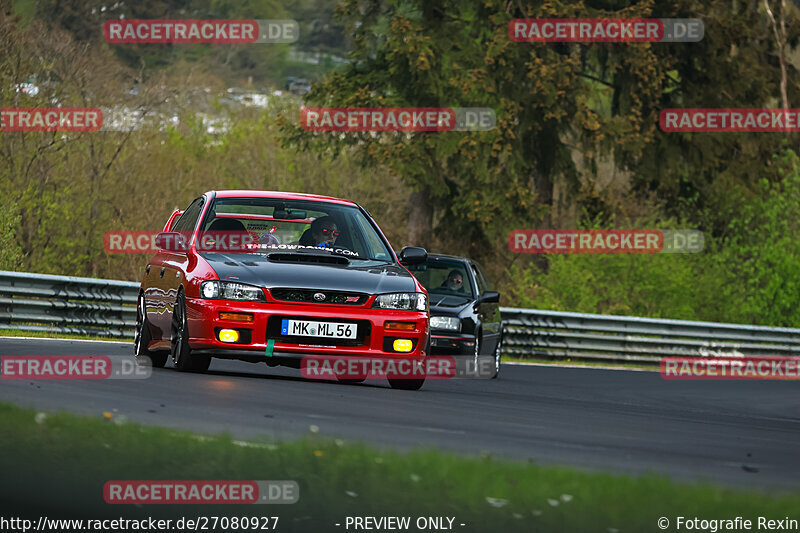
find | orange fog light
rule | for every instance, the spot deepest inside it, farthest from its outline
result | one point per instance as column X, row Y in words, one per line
column 241, row 317
column 402, row 326
column 402, row 345
column 228, row 335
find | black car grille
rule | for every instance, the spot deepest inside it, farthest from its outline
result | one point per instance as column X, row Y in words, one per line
column 313, row 296
column 363, row 329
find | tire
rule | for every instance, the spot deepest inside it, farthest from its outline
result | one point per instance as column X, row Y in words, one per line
column 180, row 352
column 477, row 353
column 143, row 337
column 350, row 381
column 406, row 384
column 497, row 357
column 411, row 384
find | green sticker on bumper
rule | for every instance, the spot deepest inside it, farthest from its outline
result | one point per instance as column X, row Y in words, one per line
column 270, row 347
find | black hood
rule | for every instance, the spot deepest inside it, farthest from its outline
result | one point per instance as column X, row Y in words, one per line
column 448, row 303
column 370, row 277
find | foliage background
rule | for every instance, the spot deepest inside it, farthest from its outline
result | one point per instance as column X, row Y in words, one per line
column 577, row 143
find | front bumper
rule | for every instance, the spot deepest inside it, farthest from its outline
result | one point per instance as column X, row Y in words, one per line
column 448, row 343
column 373, row 338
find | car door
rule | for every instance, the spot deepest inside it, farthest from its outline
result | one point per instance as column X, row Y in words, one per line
column 164, row 273
column 488, row 313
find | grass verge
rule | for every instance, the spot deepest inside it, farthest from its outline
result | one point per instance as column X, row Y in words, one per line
column 56, row 465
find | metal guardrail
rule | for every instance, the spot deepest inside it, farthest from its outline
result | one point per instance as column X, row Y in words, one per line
column 535, row 333
column 60, row 304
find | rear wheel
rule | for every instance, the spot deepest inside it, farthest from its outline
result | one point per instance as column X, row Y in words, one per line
column 179, row 341
column 142, row 338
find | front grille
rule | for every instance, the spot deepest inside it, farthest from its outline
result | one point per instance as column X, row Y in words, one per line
column 363, row 328
column 330, row 297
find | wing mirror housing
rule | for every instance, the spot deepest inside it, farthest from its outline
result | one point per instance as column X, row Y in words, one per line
column 412, row 255
column 489, row 297
column 172, row 241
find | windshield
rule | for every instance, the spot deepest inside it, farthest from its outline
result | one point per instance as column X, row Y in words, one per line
column 447, row 278
column 296, row 226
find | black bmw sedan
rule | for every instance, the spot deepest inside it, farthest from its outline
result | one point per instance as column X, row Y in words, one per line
column 465, row 314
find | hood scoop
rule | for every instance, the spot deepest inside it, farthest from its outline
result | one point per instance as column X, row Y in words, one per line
column 308, row 258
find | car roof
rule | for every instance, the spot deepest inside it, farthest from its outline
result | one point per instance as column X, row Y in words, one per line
column 281, row 195
column 448, row 257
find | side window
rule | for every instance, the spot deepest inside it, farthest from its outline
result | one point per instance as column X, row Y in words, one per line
column 188, row 219
column 479, row 279
column 375, row 248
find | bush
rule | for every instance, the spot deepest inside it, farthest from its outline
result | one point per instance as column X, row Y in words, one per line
column 747, row 275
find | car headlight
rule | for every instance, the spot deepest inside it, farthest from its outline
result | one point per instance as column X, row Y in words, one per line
column 446, row 322
column 228, row 290
column 405, row 301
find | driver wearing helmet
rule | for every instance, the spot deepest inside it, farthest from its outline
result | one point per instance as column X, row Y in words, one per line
column 454, row 281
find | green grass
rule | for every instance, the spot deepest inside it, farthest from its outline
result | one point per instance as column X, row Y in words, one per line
column 58, row 465
column 48, row 335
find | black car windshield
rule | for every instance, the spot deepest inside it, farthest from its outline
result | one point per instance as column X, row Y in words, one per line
column 294, row 226
column 441, row 276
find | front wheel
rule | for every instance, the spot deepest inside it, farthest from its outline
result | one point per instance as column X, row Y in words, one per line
column 497, row 358
column 406, row 384
column 350, row 381
column 179, row 341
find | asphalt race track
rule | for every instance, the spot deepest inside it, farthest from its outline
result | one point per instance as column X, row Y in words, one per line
column 744, row 434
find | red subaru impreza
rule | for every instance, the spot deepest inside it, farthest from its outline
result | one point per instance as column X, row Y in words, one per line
column 296, row 275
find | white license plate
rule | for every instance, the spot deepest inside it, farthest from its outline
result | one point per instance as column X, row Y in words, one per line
column 312, row 328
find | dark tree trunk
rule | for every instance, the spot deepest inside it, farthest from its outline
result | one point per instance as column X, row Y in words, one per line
column 420, row 218
column 543, row 187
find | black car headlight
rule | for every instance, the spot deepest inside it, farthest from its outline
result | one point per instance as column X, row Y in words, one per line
column 228, row 290
column 402, row 301
column 450, row 323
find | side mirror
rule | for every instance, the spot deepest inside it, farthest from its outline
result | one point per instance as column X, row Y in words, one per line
column 411, row 255
column 172, row 241
column 489, row 297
